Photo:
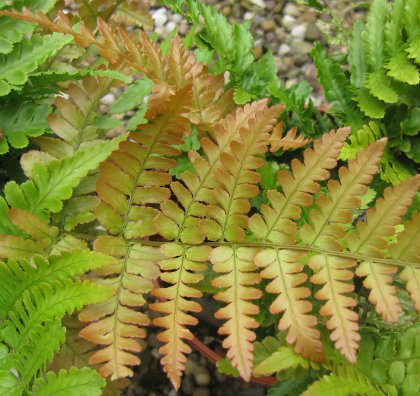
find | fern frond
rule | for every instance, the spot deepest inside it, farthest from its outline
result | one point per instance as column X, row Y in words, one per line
column 285, row 271
column 284, row 358
column 357, row 57
column 343, row 381
column 52, row 183
column 334, row 273
column 175, row 223
column 26, row 57
column 337, row 88
column 17, row 277
column 182, row 267
column 44, row 342
column 115, row 322
column 276, row 225
column 369, row 239
column 237, row 178
column 75, row 382
column 393, row 28
column 36, row 318
column 20, row 121
column 145, row 56
column 41, row 233
column 336, row 208
column 408, row 250
column 74, row 125
column 238, row 271
column 135, row 174
column 375, row 33
column 12, row 31
column 288, row 142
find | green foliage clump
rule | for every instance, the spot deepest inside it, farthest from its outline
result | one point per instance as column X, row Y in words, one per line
column 378, row 94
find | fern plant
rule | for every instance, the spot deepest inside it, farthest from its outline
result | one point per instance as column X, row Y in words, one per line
column 378, row 95
column 104, row 224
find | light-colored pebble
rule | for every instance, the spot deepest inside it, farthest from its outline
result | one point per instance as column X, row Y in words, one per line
column 170, row 26
column 160, row 19
column 248, row 15
column 291, row 9
column 298, row 31
column 288, row 21
column 177, row 18
column 108, row 99
column 284, row 49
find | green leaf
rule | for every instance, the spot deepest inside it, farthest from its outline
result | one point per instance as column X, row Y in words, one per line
column 412, row 18
column 9, row 385
column 75, row 382
column 16, row 67
column 241, row 97
column 380, row 86
column 133, row 96
column 22, row 120
column 402, row 70
column 357, row 56
column 393, row 28
column 375, row 33
column 244, row 42
column 224, row 366
column 217, row 31
column 106, row 122
column 336, row 86
column 138, row 118
column 52, row 183
column 413, row 49
column 369, row 104
column 396, row 372
column 343, row 382
column 283, row 359
column 16, row 277
column 13, row 30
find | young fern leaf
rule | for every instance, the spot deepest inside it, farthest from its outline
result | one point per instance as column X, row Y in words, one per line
column 407, row 250
column 237, row 184
column 73, row 126
column 52, row 183
column 18, row 276
column 183, row 266
column 288, row 142
column 168, row 73
column 20, row 122
column 344, row 381
column 26, row 57
column 134, row 176
column 276, row 226
column 75, row 382
column 325, row 231
column 238, row 139
column 238, row 276
column 369, row 240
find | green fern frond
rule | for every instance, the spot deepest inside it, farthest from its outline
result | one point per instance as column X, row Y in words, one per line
column 75, row 382
column 26, row 56
column 17, row 277
column 336, row 86
column 12, row 31
column 375, row 33
column 20, row 121
column 52, row 183
column 343, row 382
